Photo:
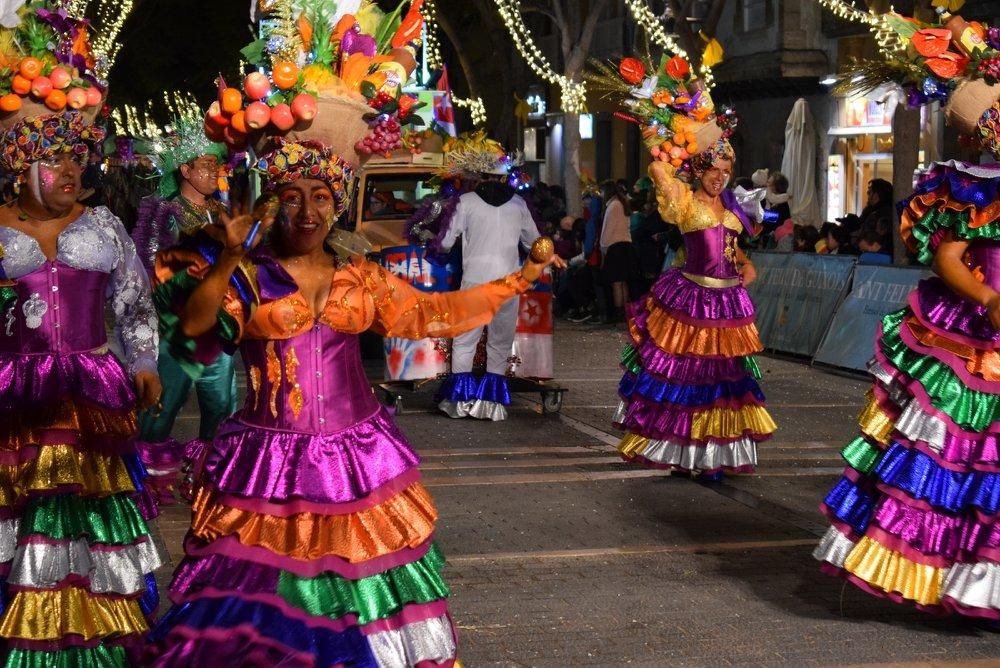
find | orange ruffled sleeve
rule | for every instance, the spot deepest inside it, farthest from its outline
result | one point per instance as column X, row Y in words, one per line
column 402, row 310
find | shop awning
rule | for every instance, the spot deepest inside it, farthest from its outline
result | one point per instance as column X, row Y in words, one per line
column 854, row 131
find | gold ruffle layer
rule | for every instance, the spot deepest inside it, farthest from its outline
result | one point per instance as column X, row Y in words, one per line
column 54, row 614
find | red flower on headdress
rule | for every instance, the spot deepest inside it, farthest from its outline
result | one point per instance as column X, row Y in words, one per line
column 931, row 42
column 948, row 65
column 632, row 70
column 678, row 68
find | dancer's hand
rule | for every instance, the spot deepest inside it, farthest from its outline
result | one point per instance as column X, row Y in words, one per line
column 238, row 224
column 993, row 310
column 148, row 389
column 532, row 270
column 748, row 273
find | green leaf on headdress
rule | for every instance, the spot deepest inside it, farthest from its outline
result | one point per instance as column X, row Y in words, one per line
column 902, row 26
column 387, row 27
column 254, row 52
column 367, row 89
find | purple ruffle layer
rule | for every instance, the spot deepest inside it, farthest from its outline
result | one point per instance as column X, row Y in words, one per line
column 222, row 573
column 935, row 533
column 31, row 381
column 940, row 308
column 689, row 370
column 330, row 468
column 673, row 423
column 694, row 304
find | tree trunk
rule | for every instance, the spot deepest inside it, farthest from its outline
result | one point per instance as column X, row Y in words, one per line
column 571, row 164
column 905, row 147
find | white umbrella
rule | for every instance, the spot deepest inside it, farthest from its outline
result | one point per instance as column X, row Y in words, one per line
column 799, row 163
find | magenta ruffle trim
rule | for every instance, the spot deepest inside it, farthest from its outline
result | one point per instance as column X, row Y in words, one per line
column 330, row 468
column 694, row 304
column 927, row 533
column 230, row 546
column 30, row 381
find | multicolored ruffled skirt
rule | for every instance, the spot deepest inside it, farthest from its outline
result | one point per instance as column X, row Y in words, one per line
column 689, row 397
column 309, row 550
column 76, row 555
column 915, row 513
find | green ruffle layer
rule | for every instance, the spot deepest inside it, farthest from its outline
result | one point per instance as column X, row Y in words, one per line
column 957, row 222
column 109, row 520
column 371, row 598
column 71, row 657
column 967, row 408
column 630, row 359
column 861, row 455
column 166, row 297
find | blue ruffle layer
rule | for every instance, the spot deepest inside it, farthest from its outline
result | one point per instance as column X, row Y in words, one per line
column 921, row 477
column 654, row 389
column 329, row 647
column 851, row 504
column 467, row 387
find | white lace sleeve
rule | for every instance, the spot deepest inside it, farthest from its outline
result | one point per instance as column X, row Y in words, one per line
column 132, row 303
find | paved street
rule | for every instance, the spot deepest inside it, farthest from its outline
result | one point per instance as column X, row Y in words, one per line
column 562, row 555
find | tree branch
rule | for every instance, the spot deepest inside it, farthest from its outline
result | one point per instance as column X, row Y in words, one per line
column 713, row 17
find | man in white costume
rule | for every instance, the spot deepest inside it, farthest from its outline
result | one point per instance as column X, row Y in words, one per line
column 493, row 223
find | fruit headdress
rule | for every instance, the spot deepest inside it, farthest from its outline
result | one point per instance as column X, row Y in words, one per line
column 949, row 60
column 328, row 89
column 674, row 110
column 49, row 90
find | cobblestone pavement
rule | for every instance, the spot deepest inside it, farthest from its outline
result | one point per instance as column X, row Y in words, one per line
column 562, row 555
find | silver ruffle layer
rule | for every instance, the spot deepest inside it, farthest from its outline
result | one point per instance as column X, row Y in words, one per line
column 480, row 409
column 431, row 640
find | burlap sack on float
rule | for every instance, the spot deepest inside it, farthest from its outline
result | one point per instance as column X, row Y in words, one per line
column 30, row 108
column 967, row 104
column 339, row 123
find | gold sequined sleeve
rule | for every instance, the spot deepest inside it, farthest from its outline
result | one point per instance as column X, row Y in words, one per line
column 672, row 195
column 402, row 310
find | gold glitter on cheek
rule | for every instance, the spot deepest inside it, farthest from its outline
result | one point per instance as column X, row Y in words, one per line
column 295, row 399
column 273, row 376
column 254, row 374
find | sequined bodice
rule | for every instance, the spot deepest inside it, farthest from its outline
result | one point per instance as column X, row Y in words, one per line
column 313, row 382
column 711, row 252
column 57, row 309
column 96, row 262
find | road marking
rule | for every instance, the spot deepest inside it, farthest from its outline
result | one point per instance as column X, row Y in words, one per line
column 534, row 478
column 526, row 450
column 519, row 463
column 629, row 550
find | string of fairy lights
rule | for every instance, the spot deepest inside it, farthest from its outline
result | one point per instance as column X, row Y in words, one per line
column 111, row 16
column 432, row 49
column 135, row 122
column 887, row 40
column 574, row 93
column 651, row 23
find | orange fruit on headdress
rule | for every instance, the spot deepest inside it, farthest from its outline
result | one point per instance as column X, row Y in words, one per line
column 285, row 75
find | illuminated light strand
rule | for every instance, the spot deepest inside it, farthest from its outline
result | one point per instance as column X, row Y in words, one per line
column 574, row 93
column 111, row 16
column 650, row 22
column 432, row 45
column 475, row 106
column 888, row 41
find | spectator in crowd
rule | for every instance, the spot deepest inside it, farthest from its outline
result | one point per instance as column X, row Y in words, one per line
column 759, row 178
column 744, row 182
column 565, row 238
column 784, row 236
column 870, row 245
column 879, row 215
column 837, row 240
column 648, row 243
column 805, row 239
column 777, row 196
column 618, row 267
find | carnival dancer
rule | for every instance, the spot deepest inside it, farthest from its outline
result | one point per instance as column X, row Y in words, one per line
column 180, row 212
column 689, row 398
column 311, row 542
column 494, row 223
column 914, row 516
column 76, row 556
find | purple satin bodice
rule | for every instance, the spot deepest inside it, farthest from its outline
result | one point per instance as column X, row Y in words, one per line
column 985, row 254
column 59, row 309
column 711, row 252
column 311, row 383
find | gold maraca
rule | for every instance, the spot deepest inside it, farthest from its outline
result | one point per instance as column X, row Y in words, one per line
column 542, row 249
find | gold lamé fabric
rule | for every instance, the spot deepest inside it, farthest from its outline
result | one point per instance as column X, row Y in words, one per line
column 405, row 520
column 892, row 572
column 728, row 423
column 53, row 614
column 63, row 466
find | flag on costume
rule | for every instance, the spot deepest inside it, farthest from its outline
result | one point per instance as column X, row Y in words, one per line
column 444, row 112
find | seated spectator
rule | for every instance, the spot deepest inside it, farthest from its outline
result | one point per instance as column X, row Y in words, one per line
column 805, row 238
column 564, row 238
column 870, row 245
column 783, row 236
column 838, row 240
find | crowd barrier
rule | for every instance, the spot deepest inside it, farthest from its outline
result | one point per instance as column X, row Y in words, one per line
column 826, row 307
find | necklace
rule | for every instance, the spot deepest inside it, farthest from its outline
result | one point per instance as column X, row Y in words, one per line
column 193, row 216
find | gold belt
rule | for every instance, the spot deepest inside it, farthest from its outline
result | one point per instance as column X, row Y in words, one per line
column 710, row 282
